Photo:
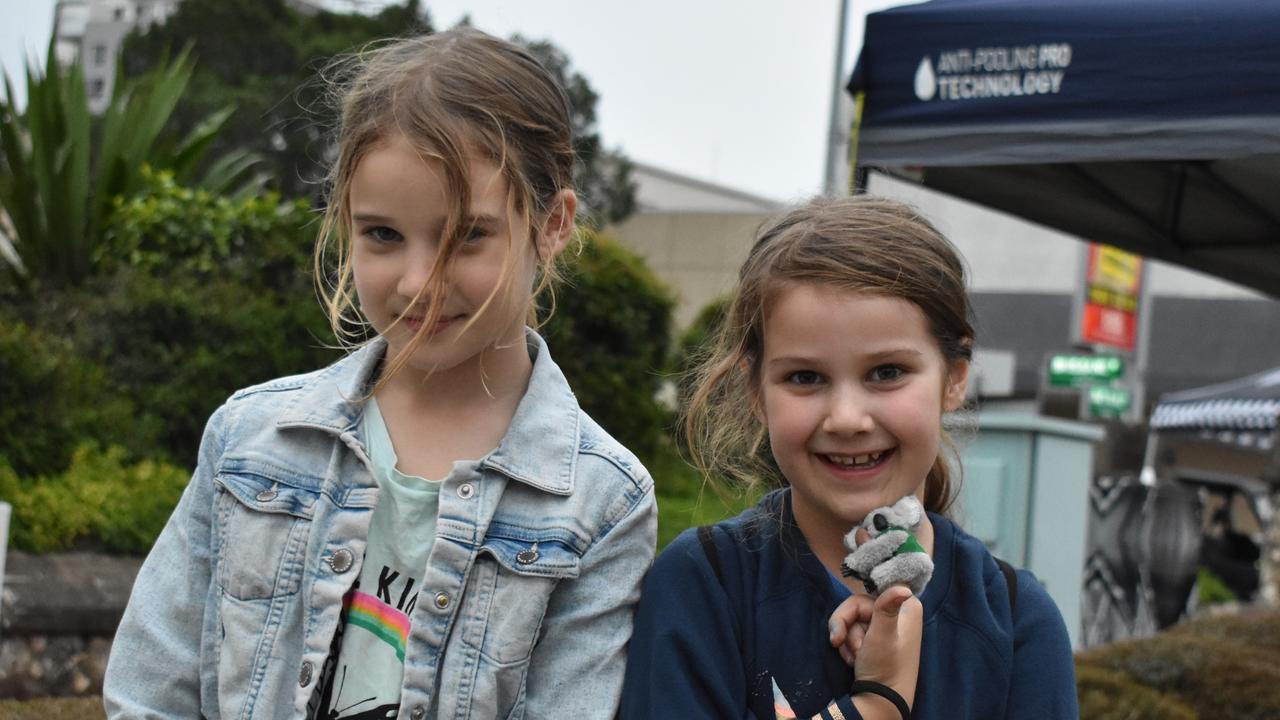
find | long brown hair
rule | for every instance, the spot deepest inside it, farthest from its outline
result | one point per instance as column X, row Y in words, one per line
column 860, row 244
column 455, row 95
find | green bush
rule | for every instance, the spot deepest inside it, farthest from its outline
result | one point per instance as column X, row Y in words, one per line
column 178, row 346
column 1106, row 695
column 205, row 295
column 101, row 501
column 1232, row 679
column 51, row 399
column 168, row 228
column 610, row 333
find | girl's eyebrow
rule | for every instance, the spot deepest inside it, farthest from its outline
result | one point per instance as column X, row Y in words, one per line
column 370, row 218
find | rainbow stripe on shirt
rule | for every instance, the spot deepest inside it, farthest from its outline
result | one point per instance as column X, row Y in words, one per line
column 385, row 622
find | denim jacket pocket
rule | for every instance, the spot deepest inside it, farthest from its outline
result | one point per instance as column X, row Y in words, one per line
column 264, row 527
column 507, row 596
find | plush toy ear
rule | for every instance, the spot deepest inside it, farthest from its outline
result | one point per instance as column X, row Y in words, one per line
column 909, row 509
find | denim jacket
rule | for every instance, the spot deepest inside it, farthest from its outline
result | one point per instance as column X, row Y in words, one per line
column 526, row 607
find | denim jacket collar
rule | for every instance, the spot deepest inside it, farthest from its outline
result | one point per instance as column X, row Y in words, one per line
column 539, row 448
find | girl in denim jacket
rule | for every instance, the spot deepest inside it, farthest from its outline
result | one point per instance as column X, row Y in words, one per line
column 430, row 527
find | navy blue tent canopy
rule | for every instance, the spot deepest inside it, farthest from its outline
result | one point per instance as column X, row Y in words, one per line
column 1153, row 125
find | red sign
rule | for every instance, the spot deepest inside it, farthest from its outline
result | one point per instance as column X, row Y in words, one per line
column 1113, row 279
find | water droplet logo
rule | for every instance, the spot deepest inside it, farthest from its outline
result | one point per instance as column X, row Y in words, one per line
column 926, row 81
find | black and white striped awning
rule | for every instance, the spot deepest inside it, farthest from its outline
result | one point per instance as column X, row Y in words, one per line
column 1217, row 415
column 1247, row 404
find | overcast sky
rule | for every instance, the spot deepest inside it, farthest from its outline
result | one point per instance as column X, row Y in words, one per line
column 737, row 92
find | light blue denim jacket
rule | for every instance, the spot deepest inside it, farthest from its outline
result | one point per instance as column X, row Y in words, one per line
column 525, row 609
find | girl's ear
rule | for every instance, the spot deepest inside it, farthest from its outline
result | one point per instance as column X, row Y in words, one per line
column 557, row 229
column 957, row 385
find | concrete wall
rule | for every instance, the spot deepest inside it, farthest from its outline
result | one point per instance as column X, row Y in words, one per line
column 697, row 254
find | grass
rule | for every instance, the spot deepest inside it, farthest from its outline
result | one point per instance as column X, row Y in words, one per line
column 684, row 500
column 52, row 709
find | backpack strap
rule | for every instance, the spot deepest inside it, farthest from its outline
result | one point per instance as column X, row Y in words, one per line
column 708, row 542
column 1010, row 579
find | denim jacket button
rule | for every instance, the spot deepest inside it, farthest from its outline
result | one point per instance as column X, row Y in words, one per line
column 418, row 713
column 267, row 495
column 466, row 490
column 341, row 560
column 524, row 557
column 442, row 600
column 304, row 677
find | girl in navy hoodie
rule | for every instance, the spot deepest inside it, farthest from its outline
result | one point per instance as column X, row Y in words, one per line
column 847, row 340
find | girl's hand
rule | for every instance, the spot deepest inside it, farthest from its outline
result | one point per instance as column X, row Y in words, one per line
column 880, row 637
column 848, row 625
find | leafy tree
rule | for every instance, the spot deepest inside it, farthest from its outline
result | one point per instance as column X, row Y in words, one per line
column 603, row 176
column 264, row 56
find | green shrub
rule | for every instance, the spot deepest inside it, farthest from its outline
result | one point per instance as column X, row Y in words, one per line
column 206, row 294
column 101, row 501
column 51, row 398
column 610, row 333
column 1215, row 677
column 169, row 228
column 1106, row 695
column 178, row 346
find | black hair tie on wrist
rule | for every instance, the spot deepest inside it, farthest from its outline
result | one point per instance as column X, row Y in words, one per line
column 884, row 691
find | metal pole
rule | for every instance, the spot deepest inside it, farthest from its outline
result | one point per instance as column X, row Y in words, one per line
column 837, row 136
column 4, row 547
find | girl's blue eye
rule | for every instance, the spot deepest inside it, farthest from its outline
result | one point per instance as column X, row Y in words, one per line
column 887, row 373
column 804, row 377
column 382, row 234
column 475, row 235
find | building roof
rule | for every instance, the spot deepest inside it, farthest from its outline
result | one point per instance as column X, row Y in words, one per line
column 661, row 190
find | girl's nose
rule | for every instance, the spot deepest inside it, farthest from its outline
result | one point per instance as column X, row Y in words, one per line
column 415, row 274
column 848, row 413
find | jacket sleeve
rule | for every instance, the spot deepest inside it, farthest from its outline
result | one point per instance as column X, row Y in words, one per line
column 577, row 665
column 1044, row 679
column 686, row 657
column 154, row 667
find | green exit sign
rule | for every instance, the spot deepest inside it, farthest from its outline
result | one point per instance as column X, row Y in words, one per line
column 1071, row 370
column 1109, row 401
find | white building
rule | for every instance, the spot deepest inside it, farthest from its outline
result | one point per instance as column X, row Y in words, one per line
column 90, row 32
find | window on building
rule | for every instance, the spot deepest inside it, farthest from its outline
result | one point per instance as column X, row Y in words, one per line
column 118, row 13
column 96, row 88
column 99, row 55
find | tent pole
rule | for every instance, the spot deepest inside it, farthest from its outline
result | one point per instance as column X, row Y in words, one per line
column 837, row 136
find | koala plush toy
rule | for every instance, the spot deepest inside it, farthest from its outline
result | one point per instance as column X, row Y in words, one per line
column 892, row 555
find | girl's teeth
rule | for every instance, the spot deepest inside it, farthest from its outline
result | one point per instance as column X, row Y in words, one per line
column 853, row 461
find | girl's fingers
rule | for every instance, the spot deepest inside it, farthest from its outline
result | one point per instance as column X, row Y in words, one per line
column 854, row 610
column 856, row 636
column 890, row 602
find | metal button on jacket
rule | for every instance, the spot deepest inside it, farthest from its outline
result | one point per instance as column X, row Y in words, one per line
column 442, row 600
column 418, row 713
column 341, row 560
column 267, row 495
column 304, row 677
column 524, row 557
column 466, row 490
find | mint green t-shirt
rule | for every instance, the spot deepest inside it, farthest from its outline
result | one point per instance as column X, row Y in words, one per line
column 370, row 646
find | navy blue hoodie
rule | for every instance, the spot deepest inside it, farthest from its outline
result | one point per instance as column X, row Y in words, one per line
column 708, row 646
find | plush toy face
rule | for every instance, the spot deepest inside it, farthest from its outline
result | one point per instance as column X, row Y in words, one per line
column 906, row 513
column 891, row 555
